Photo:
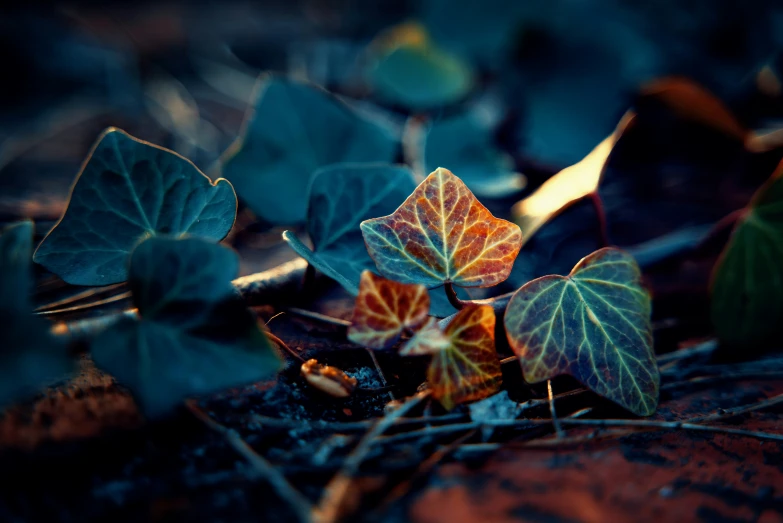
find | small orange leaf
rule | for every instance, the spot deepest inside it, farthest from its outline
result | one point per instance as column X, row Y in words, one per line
column 443, row 234
column 693, row 102
column 469, row 369
column 384, row 309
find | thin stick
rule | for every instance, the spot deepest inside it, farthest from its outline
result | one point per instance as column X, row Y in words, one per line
column 427, row 465
column 79, row 296
column 672, row 425
column 329, row 508
column 736, row 411
column 379, row 370
column 86, row 306
column 319, row 317
column 339, row 426
column 299, row 504
column 555, row 422
column 284, row 345
column 451, row 294
column 731, row 376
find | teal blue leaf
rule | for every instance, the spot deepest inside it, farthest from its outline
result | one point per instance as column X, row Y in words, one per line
column 341, row 197
column 593, row 324
column 194, row 336
column 292, row 130
column 420, row 76
column 30, row 357
column 465, row 144
column 128, row 190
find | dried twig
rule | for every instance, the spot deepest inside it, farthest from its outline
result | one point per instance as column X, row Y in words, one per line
column 323, row 318
column 300, row 505
column 736, row 411
column 379, row 370
column 427, row 465
column 330, row 507
column 672, row 425
column 728, row 376
column 283, row 345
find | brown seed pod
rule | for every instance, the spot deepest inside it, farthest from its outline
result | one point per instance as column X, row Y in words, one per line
column 330, row 380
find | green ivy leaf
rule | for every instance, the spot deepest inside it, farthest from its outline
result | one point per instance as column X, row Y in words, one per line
column 128, row 190
column 464, row 143
column 419, row 75
column 442, row 234
column 747, row 280
column 292, row 130
column 341, row 197
column 194, row 336
column 30, row 358
column 593, row 324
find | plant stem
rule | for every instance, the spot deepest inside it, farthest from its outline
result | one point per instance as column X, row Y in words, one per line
column 598, row 205
column 555, row 422
column 299, row 504
column 451, row 294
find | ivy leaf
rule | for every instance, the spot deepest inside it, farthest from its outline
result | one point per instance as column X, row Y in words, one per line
column 567, row 186
column 747, row 280
column 128, row 190
column 442, row 234
column 465, row 143
column 469, row 369
column 194, row 336
column 593, row 324
column 409, row 70
column 385, row 309
column 292, row 130
column 30, row 358
column 341, row 197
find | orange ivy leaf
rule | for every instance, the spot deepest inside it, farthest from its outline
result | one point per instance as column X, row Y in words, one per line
column 442, row 234
column 469, row 368
column 384, row 309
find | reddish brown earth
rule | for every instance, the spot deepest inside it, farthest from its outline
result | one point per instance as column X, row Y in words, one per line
column 657, row 476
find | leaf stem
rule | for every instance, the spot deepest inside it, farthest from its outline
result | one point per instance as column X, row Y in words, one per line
column 299, row 504
column 555, row 422
column 598, row 205
column 451, row 294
